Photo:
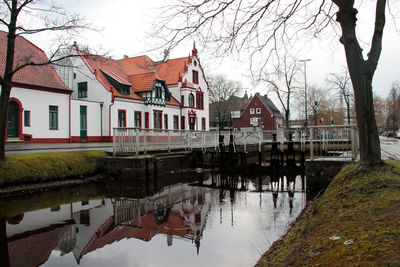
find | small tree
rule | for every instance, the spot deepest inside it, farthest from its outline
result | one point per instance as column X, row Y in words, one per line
column 342, row 84
column 392, row 103
column 222, row 91
column 284, row 86
column 47, row 18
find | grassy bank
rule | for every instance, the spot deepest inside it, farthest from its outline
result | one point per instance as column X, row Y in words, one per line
column 41, row 167
column 360, row 208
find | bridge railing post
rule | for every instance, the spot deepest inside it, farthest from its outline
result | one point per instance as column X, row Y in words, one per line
column 353, row 144
column 260, row 134
column 137, row 143
column 114, row 142
column 144, row 141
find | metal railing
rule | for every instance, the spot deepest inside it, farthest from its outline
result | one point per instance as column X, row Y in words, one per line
column 315, row 141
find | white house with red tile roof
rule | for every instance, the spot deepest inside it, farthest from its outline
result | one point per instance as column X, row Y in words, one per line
column 135, row 92
column 83, row 97
column 39, row 107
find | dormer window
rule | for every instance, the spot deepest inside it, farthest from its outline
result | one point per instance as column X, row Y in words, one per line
column 158, row 95
column 195, row 76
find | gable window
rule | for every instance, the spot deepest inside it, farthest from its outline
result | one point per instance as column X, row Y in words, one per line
column 157, row 120
column 166, row 121
column 176, row 122
column 53, row 117
column 146, row 120
column 27, row 118
column 121, row 118
column 138, row 119
column 252, row 111
column 258, row 110
column 82, row 90
column 195, row 74
column 191, row 100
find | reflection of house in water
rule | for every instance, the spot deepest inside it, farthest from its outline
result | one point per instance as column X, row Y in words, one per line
column 178, row 211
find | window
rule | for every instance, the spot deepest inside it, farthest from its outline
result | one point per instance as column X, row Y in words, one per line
column 138, row 119
column 158, row 91
column 166, row 121
column 157, row 120
column 203, row 124
column 258, row 110
column 191, row 100
column 27, row 118
column 84, row 217
column 53, row 117
column 252, row 111
column 121, row 118
column 199, row 101
column 82, row 89
column 183, row 123
column 176, row 122
column 54, row 209
column 195, row 74
column 146, row 120
column 182, row 100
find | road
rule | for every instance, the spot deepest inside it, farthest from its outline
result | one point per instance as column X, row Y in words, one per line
column 390, row 148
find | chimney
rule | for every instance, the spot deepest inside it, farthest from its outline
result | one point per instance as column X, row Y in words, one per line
column 245, row 98
column 125, row 57
column 166, row 55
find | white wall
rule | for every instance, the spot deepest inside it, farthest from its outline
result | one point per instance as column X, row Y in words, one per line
column 93, row 112
column 39, row 219
column 38, row 102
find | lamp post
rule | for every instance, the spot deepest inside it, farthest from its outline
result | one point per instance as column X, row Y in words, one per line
column 305, row 87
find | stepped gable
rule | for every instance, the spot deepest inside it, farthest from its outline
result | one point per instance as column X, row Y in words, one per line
column 44, row 76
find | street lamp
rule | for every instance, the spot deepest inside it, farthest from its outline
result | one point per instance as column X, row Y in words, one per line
column 305, row 86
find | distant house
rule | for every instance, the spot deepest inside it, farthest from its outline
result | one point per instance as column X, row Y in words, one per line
column 259, row 113
column 39, row 109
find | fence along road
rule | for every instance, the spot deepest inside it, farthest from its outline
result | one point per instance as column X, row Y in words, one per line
column 317, row 141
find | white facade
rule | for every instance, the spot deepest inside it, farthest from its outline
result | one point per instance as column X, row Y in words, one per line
column 37, row 103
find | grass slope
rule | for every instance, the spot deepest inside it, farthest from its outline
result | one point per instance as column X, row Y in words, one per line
column 41, row 167
column 361, row 207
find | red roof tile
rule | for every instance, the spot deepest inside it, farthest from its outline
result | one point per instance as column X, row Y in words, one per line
column 172, row 69
column 41, row 76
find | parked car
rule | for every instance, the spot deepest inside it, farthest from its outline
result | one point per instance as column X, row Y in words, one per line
column 398, row 134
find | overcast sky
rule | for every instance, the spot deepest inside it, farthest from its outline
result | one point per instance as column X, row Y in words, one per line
column 126, row 23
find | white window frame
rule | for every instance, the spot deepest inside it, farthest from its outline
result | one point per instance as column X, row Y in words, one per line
column 251, row 110
column 258, row 110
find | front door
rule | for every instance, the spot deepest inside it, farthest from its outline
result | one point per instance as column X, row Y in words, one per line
column 12, row 125
column 83, row 122
column 192, row 122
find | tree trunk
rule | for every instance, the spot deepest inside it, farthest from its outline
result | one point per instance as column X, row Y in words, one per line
column 4, row 98
column 361, row 73
column 348, row 113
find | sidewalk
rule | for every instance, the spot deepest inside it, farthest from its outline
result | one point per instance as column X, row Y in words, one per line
column 21, row 147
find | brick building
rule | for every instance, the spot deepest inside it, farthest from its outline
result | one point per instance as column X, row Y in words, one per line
column 258, row 113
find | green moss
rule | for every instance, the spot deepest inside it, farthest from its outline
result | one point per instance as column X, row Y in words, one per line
column 40, row 167
column 359, row 206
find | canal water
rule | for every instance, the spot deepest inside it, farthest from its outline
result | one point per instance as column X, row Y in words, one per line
column 191, row 219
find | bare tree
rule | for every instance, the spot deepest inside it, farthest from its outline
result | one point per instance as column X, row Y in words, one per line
column 260, row 26
column 342, row 84
column 380, row 112
column 392, row 103
column 47, row 18
column 222, row 91
column 284, row 85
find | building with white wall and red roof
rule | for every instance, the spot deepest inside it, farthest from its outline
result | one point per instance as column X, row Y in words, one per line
column 39, row 104
column 83, row 97
column 134, row 92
